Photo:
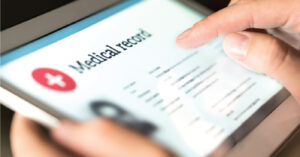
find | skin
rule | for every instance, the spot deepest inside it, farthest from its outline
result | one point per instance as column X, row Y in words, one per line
column 263, row 53
column 97, row 138
column 256, row 50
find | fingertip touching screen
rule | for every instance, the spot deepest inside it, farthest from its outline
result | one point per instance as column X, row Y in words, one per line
column 124, row 63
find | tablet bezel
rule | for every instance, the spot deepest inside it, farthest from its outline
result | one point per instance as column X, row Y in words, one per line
column 59, row 18
column 49, row 22
column 64, row 19
column 47, row 28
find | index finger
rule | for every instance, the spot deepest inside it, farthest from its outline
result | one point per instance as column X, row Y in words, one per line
column 237, row 17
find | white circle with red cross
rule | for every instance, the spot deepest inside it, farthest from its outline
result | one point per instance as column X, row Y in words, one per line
column 54, row 79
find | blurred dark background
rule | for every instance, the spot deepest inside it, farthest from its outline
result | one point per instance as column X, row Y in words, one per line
column 17, row 11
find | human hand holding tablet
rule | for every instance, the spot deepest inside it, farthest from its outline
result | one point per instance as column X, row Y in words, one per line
column 181, row 84
column 260, row 52
column 99, row 137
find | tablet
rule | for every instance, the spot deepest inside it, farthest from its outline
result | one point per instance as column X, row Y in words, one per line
column 123, row 63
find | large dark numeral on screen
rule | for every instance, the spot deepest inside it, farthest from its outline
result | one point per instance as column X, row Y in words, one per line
column 121, row 116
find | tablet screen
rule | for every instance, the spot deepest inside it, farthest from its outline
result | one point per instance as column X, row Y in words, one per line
column 123, row 62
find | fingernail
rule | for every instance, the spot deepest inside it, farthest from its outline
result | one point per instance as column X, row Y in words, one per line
column 63, row 129
column 236, row 45
column 185, row 34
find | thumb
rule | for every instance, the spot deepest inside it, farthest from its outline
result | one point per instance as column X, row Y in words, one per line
column 265, row 54
column 101, row 137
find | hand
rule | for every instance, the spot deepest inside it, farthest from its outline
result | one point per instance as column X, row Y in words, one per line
column 99, row 137
column 258, row 51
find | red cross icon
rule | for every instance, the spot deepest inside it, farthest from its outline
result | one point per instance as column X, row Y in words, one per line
column 54, row 79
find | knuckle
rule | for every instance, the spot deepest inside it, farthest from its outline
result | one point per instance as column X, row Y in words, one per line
column 276, row 56
column 102, row 125
column 242, row 1
column 102, row 128
column 163, row 153
column 160, row 152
